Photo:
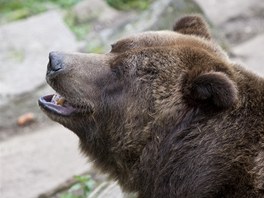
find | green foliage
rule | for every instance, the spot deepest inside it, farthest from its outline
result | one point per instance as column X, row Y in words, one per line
column 80, row 30
column 83, row 187
column 18, row 9
column 64, row 3
column 129, row 4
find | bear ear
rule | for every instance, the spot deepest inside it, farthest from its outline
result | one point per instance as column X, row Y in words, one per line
column 211, row 91
column 192, row 25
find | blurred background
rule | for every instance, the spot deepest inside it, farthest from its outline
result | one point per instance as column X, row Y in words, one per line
column 39, row 158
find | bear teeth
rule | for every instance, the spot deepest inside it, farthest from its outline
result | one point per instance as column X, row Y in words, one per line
column 58, row 100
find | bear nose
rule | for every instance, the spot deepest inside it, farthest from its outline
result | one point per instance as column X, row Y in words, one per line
column 55, row 62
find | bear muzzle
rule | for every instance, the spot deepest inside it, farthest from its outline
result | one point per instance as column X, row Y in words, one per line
column 55, row 64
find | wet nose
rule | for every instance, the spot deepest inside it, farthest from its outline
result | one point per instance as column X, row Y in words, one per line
column 55, row 62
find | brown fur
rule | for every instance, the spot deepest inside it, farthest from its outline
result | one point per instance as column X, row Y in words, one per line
column 167, row 114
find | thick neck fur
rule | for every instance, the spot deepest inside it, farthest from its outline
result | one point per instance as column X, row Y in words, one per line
column 243, row 146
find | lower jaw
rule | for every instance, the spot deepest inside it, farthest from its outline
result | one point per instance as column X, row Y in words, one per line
column 58, row 110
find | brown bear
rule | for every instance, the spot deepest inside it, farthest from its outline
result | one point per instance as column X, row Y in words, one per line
column 164, row 113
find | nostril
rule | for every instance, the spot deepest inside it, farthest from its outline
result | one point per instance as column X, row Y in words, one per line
column 55, row 62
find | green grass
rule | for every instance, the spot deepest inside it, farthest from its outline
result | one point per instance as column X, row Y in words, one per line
column 11, row 10
column 80, row 30
column 129, row 4
column 83, row 187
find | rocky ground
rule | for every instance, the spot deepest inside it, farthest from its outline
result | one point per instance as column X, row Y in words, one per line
column 36, row 158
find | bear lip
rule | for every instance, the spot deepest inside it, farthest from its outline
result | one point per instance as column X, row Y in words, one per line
column 51, row 104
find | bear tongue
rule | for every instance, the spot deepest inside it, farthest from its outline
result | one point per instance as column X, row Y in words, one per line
column 58, row 100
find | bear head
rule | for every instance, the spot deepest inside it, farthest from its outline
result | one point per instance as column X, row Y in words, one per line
column 148, row 85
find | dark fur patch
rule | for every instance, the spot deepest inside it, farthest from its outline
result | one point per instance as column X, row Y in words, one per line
column 211, row 89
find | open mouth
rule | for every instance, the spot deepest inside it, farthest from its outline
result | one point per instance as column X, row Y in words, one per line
column 58, row 105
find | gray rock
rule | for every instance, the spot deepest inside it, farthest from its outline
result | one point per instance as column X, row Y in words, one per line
column 107, row 189
column 110, row 189
column 90, row 10
column 221, row 11
column 162, row 14
column 34, row 163
column 24, row 52
column 98, row 15
column 251, row 54
column 239, row 20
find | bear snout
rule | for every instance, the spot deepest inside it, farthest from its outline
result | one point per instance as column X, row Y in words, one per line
column 55, row 63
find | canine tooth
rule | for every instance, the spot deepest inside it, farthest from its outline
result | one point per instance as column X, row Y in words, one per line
column 53, row 100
